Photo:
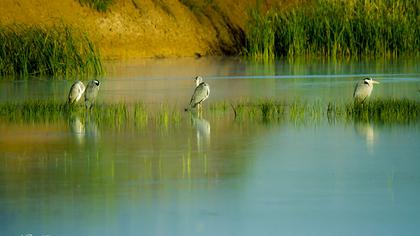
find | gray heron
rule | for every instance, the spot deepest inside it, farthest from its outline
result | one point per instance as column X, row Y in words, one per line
column 201, row 93
column 91, row 93
column 363, row 89
column 76, row 92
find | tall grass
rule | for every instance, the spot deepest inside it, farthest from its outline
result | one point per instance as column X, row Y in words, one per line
column 99, row 5
column 336, row 29
column 37, row 50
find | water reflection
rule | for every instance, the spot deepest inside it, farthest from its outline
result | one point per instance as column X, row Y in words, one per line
column 366, row 131
column 77, row 128
column 202, row 127
column 82, row 129
column 240, row 179
column 92, row 131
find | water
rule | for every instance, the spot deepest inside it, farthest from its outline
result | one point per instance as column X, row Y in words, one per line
column 211, row 175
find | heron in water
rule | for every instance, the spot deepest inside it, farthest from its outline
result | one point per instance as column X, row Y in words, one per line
column 201, row 93
column 76, row 92
column 91, row 93
column 363, row 89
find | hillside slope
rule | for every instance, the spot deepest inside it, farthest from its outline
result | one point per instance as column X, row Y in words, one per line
column 143, row 28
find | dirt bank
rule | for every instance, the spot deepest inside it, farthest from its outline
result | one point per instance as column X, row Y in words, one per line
column 143, row 28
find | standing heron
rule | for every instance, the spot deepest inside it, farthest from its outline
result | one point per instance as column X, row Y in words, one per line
column 91, row 93
column 363, row 89
column 76, row 92
column 201, row 93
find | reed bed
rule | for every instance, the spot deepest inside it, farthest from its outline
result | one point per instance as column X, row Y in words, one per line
column 336, row 29
column 54, row 51
column 110, row 115
column 385, row 111
column 402, row 111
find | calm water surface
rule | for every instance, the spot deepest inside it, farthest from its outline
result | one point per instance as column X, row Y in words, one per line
column 212, row 175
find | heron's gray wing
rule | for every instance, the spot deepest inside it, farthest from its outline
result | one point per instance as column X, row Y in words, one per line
column 362, row 91
column 91, row 91
column 201, row 93
column 355, row 89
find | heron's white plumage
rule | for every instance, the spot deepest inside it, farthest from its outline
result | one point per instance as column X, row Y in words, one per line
column 76, row 92
column 363, row 89
column 91, row 93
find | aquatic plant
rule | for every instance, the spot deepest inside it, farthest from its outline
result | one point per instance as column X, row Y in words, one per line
column 118, row 115
column 39, row 50
column 166, row 116
column 140, row 114
column 385, row 111
column 32, row 111
column 336, row 29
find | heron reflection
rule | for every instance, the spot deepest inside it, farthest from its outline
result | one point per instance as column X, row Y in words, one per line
column 367, row 132
column 202, row 127
column 83, row 129
column 77, row 128
column 92, row 131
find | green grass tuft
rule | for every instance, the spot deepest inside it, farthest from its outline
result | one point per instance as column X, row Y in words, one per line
column 385, row 111
column 54, row 51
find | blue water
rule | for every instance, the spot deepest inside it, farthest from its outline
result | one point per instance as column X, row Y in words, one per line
column 214, row 175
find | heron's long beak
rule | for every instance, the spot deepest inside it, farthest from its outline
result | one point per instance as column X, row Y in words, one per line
column 375, row 82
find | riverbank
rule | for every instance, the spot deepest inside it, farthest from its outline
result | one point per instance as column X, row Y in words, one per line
column 143, row 29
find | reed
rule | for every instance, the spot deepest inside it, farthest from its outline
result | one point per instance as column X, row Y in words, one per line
column 336, row 29
column 53, row 51
column 167, row 116
column 385, row 111
column 141, row 116
column 118, row 115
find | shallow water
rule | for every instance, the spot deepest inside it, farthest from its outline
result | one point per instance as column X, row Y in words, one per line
column 212, row 175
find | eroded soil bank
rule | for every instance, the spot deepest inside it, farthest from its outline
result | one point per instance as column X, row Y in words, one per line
column 146, row 28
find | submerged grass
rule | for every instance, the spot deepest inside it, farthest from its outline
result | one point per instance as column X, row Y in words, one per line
column 110, row 115
column 401, row 111
column 54, row 51
column 386, row 111
column 336, row 29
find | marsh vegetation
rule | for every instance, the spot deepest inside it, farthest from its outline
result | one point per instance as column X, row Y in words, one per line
column 264, row 110
column 55, row 51
column 336, row 29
